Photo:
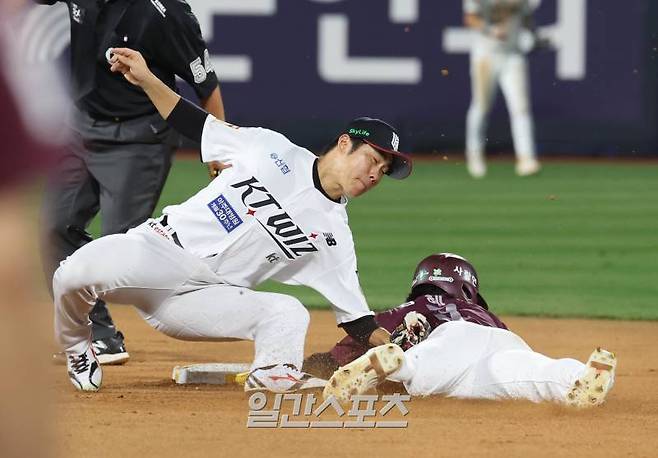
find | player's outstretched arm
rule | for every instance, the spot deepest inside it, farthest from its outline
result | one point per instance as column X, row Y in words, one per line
column 181, row 114
column 132, row 66
column 214, row 105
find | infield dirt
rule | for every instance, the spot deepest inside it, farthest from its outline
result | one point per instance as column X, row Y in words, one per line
column 141, row 412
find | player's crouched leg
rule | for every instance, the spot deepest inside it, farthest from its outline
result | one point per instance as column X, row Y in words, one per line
column 280, row 330
column 74, row 296
column 85, row 276
column 275, row 322
column 73, row 299
column 279, row 337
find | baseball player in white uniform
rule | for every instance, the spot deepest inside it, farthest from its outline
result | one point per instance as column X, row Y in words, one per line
column 456, row 347
column 502, row 37
column 277, row 212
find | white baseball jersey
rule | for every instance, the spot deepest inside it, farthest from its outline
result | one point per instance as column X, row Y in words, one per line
column 264, row 218
column 500, row 62
column 509, row 14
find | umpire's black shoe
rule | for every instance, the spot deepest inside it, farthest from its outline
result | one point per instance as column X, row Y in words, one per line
column 111, row 350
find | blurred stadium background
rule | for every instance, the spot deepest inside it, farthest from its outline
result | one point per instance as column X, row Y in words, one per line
column 306, row 66
column 581, row 239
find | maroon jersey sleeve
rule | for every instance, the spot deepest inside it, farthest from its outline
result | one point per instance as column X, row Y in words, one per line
column 437, row 310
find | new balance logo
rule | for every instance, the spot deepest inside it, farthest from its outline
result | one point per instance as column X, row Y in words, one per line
column 289, row 377
column 329, row 238
column 99, row 345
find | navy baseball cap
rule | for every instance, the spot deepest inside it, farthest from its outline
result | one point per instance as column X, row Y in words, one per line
column 384, row 138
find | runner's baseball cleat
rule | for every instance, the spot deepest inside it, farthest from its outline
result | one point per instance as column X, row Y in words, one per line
column 593, row 386
column 364, row 373
column 281, row 378
column 84, row 370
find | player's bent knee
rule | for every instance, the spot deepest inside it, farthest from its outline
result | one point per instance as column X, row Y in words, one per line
column 297, row 309
column 73, row 274
column 290, row 309
column 160, row 326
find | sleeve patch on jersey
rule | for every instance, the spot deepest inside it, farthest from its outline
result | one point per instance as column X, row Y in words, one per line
column 207, row 63
column 198, row 71
column 225, row 214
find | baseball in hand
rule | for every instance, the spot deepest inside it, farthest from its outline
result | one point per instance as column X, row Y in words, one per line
column 130, row 64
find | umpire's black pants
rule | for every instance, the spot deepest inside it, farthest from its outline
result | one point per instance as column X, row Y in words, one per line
column 116, row 167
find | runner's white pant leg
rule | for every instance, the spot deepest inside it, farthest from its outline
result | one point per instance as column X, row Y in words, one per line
column 515, row 85
column 469, row 361
column 439, row 364
column 277, row 323
column 523, row 374
column 135, row 268
column 484, row 75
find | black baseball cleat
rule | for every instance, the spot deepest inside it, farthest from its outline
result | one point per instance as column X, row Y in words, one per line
column 111, row 350
column 84, row 370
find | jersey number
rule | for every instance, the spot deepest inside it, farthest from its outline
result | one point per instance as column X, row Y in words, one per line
column 200, row 69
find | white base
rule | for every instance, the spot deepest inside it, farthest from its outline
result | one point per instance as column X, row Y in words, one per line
column 211, row 373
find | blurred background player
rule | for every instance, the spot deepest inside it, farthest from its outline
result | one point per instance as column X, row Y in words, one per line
column 33, row 135
column 458, row 348
column 122, row 151
column 502, row 36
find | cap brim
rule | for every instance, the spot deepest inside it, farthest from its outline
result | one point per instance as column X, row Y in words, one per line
column 401, row 164
column 482, row 303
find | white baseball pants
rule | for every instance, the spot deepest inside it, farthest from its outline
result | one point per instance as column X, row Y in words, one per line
column 488, row 68
column 177, row 294
column 465, row 360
